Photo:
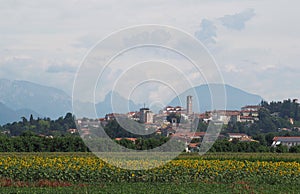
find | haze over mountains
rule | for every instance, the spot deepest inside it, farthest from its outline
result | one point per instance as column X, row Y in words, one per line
column 22, row 98
column 234, row 98
column 8, row 115
column 34, row 98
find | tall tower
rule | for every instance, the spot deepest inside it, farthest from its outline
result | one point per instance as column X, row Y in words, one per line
column 143, row 112
column 146, row 116
column 189, row 105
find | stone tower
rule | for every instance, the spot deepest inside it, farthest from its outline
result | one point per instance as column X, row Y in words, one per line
column 189, row 105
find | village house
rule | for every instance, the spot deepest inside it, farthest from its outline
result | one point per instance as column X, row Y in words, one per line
column 188, row 135
column 127, row 138
column 240, row 137
column 223, row 116
column 192, row 147
column 286, row 141
column 72, row 131
column 113, row 116
column 253, row 108
column 250, row 110
column 134, row 116
column 170, row 109
column 248, row 119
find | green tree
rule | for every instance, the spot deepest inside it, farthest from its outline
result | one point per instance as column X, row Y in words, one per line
column 265, row 121
column 295, row 149
column 31, row 120
column 281, row 149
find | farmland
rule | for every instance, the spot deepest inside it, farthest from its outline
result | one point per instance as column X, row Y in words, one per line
column 66, row 172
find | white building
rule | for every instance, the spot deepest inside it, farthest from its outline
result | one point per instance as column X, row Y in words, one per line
column 189, row 105
column 146, row 116
column 287, row 141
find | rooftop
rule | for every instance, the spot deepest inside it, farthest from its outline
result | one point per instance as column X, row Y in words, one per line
column 287, row 139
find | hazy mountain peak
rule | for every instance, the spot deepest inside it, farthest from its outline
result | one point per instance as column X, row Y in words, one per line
column 23, row 97
column 234, row 98
column 47, row 101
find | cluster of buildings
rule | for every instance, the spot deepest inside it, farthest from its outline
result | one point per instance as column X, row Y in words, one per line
column 247, row 113
column 171, row 127
column 146, row 116
column 178, row 125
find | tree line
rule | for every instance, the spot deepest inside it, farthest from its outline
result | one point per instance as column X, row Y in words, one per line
column 29, row 142
column 44, row 126
column 237, row 146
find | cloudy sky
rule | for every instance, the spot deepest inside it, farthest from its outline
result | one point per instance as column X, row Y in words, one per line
column 256, row 43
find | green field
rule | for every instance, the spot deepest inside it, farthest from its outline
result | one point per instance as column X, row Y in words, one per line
column 188, row 173
column 158, row 188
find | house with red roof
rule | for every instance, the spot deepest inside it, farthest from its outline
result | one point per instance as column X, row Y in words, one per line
column 287, row 141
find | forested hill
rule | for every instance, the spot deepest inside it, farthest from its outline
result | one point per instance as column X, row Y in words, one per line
column 44, row 126
column 29, row 134
column 273, row 117
column 286, row 109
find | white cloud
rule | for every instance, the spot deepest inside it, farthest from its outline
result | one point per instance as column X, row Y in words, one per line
column 256, row 43
column 61, row 69
column 207, row 33
column 237, row 21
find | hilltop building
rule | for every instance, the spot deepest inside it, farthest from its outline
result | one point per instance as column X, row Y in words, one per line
column 170, row 109
column 146, row 116
column 189, row 105
column 287, row 141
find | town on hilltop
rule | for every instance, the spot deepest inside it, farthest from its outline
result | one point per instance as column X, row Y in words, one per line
column 190, row 127
column 265, row 127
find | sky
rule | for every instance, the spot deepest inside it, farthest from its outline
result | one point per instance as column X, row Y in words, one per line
column 255, row 43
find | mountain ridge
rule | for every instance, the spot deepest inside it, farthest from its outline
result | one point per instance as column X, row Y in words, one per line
column 21, row 98
column 44, row 100
column 235, row 97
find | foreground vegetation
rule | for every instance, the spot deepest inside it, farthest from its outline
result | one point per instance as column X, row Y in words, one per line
column 29, row 142
column 156, row 188
column 88, row 168
column 82, row 172
column 188, row 173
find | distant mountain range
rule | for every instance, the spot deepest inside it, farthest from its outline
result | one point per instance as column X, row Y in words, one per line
column 22, row 98
column 34, row 98
column 235, row 98
column 122, row 104
column 8, row 115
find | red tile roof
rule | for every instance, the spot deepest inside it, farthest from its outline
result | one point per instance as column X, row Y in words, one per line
column 128, row 138
column 295, row 138
column 237, row 134
column 193, row 145
column 189, row 134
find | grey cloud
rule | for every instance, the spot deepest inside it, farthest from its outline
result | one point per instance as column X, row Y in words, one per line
column 14, row 65
column 237, row 21
column 86, row 42
column 145, row 36
column 207, row 32
column 60, row 69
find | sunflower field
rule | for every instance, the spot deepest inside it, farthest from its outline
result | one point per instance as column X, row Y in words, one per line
column 86, row 168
